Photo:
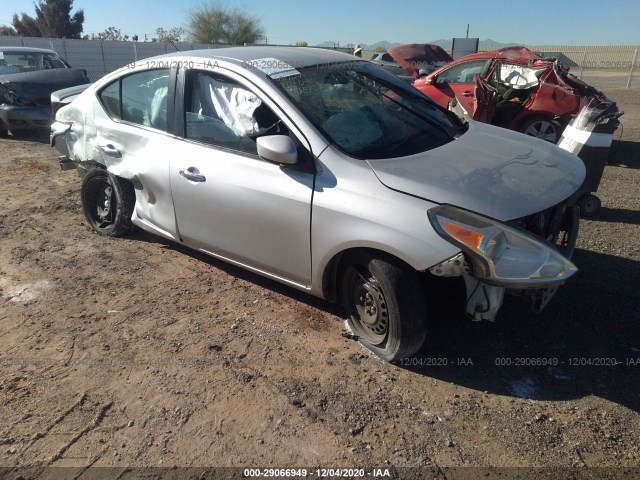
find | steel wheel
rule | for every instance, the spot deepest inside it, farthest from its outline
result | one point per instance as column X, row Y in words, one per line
column 541, row 128
column 108, row 202
column 589, row 205
column 371, row 316
column 100, row 201
column 385, row 305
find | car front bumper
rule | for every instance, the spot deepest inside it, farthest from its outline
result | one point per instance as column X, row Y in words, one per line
column 19, row 117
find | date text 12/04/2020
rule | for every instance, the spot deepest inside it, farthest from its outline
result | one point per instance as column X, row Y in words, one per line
column 571, row 362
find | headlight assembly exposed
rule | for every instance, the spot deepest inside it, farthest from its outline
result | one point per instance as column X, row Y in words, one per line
column 500, row 254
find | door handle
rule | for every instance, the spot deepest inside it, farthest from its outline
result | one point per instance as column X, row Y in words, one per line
column 192, row 174
column 467, row 93
column 110, row 150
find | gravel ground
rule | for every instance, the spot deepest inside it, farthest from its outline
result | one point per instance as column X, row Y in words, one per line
column 138, row 352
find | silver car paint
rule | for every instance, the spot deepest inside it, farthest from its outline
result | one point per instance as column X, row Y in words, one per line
column 268, row 209
column 487, row 170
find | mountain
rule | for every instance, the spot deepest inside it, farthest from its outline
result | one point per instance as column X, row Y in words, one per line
column 445, row 43
column 489, row 44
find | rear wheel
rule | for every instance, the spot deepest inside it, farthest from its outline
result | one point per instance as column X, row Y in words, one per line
column 108, row 202
column 589, row 205
column 385, row 307
column 541, row 127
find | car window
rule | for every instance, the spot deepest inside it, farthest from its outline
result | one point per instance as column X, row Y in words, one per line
column 144, row 98
column 387, row 58
column 367, row 112
column 16, row 62
column 462, row 72
column 140, row 98
column 110, row 97
column 220, row 111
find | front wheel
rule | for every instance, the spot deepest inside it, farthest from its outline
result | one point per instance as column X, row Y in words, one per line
column 108, row 202
column 541, row 127
column 385, row 307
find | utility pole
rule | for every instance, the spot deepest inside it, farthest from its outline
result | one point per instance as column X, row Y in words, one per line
column 467, row 30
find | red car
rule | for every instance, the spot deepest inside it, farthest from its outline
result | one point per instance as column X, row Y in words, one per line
column 512, row 88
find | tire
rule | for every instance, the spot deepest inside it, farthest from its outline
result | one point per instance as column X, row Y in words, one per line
column 589, row 205
column 108, row 202
column 385, row 308
column 541, row 127
column 4, row 133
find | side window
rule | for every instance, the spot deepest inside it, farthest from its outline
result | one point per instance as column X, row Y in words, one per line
column 387, row 58
column 144, row 98
column 462, row 73
column 222, row 112
column 110, row 98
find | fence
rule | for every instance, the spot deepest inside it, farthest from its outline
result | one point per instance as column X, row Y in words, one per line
column 615, row 66
column 602, row 67
column 100, row 57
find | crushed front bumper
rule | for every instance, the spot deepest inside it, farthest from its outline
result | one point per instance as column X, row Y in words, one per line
column 557, row 226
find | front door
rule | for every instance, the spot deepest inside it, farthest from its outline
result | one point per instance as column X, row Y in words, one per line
column 228, row 201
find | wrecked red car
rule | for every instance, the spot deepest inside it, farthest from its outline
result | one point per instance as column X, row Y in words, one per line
column 511, row 87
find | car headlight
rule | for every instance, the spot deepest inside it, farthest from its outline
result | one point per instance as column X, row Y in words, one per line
column 500, row 254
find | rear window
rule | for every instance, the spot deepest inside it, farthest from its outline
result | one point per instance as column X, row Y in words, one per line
column 110, row 97
column 139, row 98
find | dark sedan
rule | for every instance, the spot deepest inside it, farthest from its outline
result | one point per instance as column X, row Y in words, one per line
column 28, row 76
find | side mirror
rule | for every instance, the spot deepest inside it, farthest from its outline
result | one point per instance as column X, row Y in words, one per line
column 425, row 71
column 431, row 81
column 277, row 149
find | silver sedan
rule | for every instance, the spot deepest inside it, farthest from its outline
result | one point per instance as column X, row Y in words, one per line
column 328, row 174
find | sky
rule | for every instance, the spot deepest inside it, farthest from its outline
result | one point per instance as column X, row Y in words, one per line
column 540, row 22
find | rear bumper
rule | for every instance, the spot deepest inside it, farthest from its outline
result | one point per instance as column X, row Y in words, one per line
column 19, row 117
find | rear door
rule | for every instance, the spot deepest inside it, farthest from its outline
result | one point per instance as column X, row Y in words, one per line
column 129, row 135
column 228, row 201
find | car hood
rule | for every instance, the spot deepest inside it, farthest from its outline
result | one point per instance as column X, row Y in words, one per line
column 36, row 87
column 414, row 56
column 489, row 170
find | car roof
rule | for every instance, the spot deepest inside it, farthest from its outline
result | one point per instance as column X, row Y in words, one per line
column 517, row 54
column 25, row 50
column 297, row 57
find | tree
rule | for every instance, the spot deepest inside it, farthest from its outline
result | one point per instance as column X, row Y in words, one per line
column 25, row 26
column 303, row 43
column 214, row 23
column 111, row 33
column 379, row 49
column 174, row 35
column 53, row 19
column 7, row 31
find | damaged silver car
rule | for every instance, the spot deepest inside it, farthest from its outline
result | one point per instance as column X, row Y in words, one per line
column 328, row 174
column 28, row 76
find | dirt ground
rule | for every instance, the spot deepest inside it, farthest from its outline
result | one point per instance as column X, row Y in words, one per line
column 138, row 352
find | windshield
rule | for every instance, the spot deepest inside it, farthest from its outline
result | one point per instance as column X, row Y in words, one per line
column 367, row 112
column 16, row 62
